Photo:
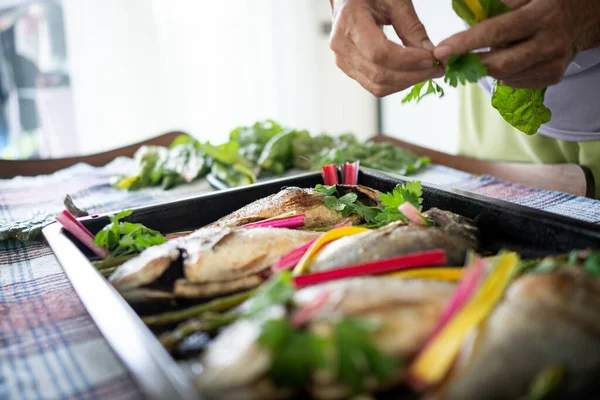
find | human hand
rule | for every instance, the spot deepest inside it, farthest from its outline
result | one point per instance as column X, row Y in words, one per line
column 544, row 37
column 365, row 54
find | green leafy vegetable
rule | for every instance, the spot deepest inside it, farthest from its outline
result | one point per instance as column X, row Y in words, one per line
column 276, row 156
column 357, row 358
column 463, row 69
column 298, row 353
column 522, row 108
column 122, row 238
column 381, row 156
column 411, row 192
column 348, row 204
column 546, row 383
column 416, row 95
column 253, row 139
column 167, row 167
column 26, row 230
column 589, row 260
column 277, row 290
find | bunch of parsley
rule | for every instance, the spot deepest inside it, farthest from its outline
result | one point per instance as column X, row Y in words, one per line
column 374, row 217
column 124, row 238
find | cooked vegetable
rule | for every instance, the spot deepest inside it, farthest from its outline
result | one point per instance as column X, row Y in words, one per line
column 290, row 260
column 330, row 174
column 434, row 362
column 294, row 221
column 441, row 274
column 471, row 279
column 86, row 237
column 218, row 305
column 350, row 173
column 404, row 262
column 524, row 109
column 546, row 383
column 318, row 244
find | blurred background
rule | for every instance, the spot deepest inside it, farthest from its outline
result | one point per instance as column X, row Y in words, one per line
column 83, row 76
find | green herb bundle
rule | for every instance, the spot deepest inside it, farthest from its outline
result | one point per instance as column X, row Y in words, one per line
column 524, row 109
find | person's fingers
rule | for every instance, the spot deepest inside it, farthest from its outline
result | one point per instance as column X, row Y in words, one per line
column 504, row 62
column 377, row 48
column 514, row 4
column 511, row 27
column 381, row 81
column 538, row 76
column 407, row 25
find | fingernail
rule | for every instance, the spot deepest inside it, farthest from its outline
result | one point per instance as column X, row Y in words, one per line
column 426, row 64
column 427, row 45
column 442, row 53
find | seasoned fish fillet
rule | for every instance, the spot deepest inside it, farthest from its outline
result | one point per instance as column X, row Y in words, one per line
column 234, row 364
column 545, row 320
column 454, row 234
column 153, row 262
column 215, row 260
column 409, row 308
column 241, row 253
column 303, row 201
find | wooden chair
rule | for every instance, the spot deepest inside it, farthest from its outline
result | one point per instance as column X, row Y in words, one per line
column 568, row 178
column 12, row 168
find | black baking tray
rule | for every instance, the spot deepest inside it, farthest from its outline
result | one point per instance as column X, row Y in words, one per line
column 503, row 225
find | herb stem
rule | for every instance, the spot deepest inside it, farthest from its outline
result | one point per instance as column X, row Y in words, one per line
column 217, row 305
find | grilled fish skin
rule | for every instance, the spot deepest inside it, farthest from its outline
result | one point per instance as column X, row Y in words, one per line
column 215, row 257
column 303, row 201
column 153, row 262
column 241, row 253
column 454, row 233
column 544, row 320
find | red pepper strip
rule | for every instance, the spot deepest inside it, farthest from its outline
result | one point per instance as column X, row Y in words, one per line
column 330, row 174
column 350, row 173
column 303, row 315
column 296, row 221
column 404, row 262
column 70, row 223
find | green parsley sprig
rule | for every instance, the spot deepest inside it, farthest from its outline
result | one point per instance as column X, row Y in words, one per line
column 124, row 238
column 374, row 217
column 349, row 352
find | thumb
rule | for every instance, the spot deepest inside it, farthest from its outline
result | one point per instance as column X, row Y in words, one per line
column 407, row 25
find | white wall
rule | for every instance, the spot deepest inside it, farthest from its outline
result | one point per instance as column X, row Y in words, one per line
column 142, row 67
column 432, row 122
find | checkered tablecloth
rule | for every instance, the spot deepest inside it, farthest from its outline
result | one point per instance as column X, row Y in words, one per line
column 49, row 346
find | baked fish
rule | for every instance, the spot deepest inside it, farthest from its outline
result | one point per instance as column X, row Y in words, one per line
column 302, row 201
column 453, row 233
column 234, row 365
column 545, row 320
column 210, row 261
